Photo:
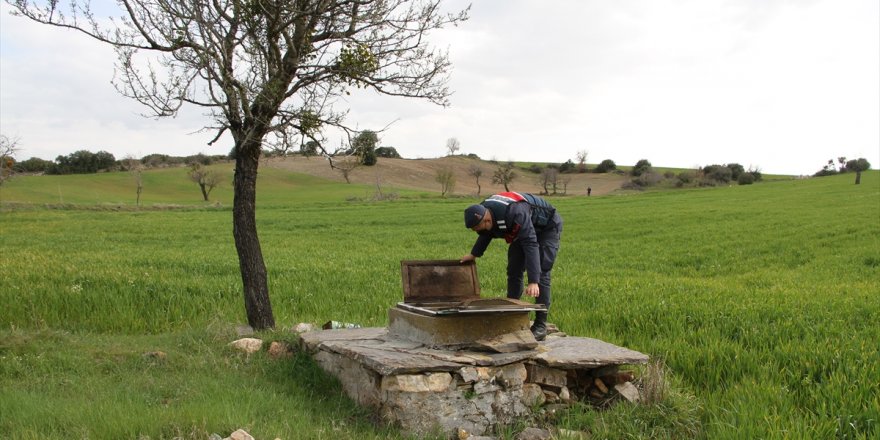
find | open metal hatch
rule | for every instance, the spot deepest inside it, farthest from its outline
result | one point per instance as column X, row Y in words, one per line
column 448, row 287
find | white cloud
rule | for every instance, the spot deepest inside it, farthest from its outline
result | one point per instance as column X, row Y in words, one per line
column 779, row 84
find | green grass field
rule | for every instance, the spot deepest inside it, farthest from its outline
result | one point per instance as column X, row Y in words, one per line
column 761, row 300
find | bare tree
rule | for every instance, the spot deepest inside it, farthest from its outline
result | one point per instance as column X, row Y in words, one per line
column 549, row 177
column 476, row 172
column 266, row 72
column 8, row 148
column 446, row 178
column 207, row 178
column 565, row 181
column 452, row 146
column 346, row 165
column 504, row 175
column 135, row 167
column 582, row 161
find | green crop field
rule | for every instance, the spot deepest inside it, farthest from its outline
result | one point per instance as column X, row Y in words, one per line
column 762, row 301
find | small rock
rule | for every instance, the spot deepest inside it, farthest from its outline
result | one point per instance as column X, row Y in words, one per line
column 628, row 391
column 600, row 385
column 469, row 374
column 240, row 434
column 532, row 395
column 303, row 327
column 215, row 436
column 158, row 355
column 247, row 345
column 244, row 330
column 550, row 396
column 280, row 349
column 565, row 395
column 533, row 434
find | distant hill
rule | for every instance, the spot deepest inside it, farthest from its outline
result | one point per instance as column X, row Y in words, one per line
column 419, row 174
column 282, row 180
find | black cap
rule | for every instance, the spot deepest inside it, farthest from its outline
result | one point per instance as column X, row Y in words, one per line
column 473, row 215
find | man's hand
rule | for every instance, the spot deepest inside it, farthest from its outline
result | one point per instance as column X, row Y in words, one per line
column 532, row 290
column 467, row 258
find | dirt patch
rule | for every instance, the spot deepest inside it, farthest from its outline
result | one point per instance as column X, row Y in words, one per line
column 420, row 174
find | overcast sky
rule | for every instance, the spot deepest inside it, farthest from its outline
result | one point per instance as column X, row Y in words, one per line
column 781, row 85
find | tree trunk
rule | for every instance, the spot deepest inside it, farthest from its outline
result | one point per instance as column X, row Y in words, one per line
column 205, row 193
column 858, row 177
column 247, row 244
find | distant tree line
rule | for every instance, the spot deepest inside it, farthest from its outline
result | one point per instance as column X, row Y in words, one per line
column 86, row 162
column 553, row 177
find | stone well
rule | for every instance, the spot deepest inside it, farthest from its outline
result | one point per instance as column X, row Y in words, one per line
column 427, row 390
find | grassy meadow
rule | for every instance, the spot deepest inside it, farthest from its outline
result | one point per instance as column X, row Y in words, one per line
column 762, row 301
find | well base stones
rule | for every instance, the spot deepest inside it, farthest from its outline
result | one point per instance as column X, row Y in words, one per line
column 426, row 391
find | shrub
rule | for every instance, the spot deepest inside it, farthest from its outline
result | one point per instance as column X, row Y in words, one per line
column 686, row 176
column 567, row 167
column 606, row 166
column 746, row 179
column 642, row 166
column 646, row 180
column 389, row 152
column 736, row 170
column 717, row 173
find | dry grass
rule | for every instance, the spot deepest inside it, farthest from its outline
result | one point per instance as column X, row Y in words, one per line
column 653, row 383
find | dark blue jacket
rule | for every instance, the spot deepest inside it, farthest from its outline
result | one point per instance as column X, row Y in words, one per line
column 515, row 217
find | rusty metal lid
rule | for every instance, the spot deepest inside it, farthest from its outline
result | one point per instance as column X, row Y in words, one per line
column 439, row 281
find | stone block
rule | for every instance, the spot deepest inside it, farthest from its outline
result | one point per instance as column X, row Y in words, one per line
column 546, row 376
column 417, row 383
column 583, row 353
column 533, row 395
column 513, row 375
column 469, row 374
column 360, row 383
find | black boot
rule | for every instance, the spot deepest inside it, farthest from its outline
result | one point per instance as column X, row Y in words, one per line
column 539, row 327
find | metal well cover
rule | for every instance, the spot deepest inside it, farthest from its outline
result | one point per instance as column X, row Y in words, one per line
column 426, row 281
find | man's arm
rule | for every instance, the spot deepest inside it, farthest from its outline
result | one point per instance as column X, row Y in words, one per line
column 481, row 244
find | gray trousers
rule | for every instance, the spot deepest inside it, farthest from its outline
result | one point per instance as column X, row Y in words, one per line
column 548, row 245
